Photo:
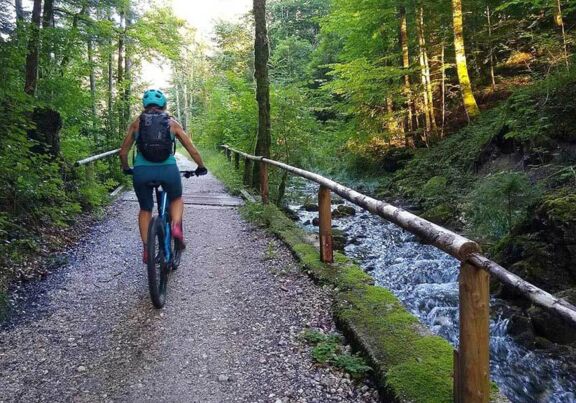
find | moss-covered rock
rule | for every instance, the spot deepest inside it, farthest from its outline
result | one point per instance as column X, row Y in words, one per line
column 543, row 250
column 343, row 211
column 339, row 239
column 310, row 207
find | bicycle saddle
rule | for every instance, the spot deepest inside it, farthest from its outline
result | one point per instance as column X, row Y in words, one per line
column 154, row 184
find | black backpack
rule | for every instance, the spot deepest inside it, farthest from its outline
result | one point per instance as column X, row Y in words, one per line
column 154, row 140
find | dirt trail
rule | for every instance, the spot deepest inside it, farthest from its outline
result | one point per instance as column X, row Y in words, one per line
column 229, row 331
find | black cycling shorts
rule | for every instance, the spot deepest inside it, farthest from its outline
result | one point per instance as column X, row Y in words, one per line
column 167, row 175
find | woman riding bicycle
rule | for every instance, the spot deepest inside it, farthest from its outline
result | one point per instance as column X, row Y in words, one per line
column 155, row 163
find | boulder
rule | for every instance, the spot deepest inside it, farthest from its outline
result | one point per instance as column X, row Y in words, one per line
column 309, row 207
column 552, row 327
column 290, row 214
column 543, row 250
column 343, row 211
column 339, row 239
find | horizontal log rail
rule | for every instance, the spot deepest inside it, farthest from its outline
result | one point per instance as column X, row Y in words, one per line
column 96, row 157
column 471, row 366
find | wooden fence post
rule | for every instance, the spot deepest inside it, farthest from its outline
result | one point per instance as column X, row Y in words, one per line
column 264, row 191
column 236, row 160
column 325, row 216
column 456, row 378
column 247, row 172
column 473, row 369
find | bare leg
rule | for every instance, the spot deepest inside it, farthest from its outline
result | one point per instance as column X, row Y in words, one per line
column 144, row 218
column 177, row 210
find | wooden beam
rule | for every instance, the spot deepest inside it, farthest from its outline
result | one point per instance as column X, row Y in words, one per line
column 247, row 172
column 264, row 191
column 474, row 353
column 325, row 215
column 236, row 160
column 96, row 157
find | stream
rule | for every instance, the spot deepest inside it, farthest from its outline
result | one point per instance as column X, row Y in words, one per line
column 425, row 279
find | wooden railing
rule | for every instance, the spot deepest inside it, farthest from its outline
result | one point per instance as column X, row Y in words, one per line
column 96, row 157
column 471, row 361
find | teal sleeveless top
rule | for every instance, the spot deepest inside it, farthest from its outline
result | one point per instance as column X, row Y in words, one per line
column 140, row 161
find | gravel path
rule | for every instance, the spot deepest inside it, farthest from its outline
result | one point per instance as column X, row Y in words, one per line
column 229, row 331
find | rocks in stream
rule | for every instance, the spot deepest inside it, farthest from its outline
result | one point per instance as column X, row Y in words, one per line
column 343, row 211
column 309, row 207
column 291, row 214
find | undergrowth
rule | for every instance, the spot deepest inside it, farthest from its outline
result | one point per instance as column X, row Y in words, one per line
column 328, row 349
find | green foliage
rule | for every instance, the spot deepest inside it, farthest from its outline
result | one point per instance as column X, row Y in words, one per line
column 435, row 187
column 44, row 191
column 499, row 202
column 289, row 60
column 561, row 206
column 229, row 114
column 328, row 349
column 525, row 120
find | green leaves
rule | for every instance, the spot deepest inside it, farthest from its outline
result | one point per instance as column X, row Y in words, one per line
column 328, row 350
column 499, row 202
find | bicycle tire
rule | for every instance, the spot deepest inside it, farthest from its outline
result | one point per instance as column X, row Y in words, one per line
column 157, row 265
column 176, row 253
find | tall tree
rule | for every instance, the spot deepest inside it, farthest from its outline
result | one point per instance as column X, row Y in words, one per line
column 559, row 21
column 406, row 66
column 461, row 66
column 33, row 50
column 48, row 14
column 427, row 92
column 19, row 11
column 261, row 56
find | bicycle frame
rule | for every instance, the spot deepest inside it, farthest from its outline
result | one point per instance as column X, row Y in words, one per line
column 162, row 202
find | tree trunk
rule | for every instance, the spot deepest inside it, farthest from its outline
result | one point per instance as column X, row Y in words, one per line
column 19, row 11
column 406, row 65
column 90, row 49
column 72, row 41
column 261, row 53
column 443, row 67
column 470, row 104
column 491, row 45
column 127, row 76
column 48, row 14
column 185, row 106
column 120, row 76
column 395, row 129
column 559, row 21
column 110, row 77
column 178, row 114
column 425, row 75
column 33, row 50
column 46, row 52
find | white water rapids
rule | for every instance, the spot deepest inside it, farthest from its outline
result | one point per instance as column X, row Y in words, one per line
column 425, row 279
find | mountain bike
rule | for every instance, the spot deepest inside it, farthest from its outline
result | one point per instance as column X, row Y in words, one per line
column 164, row 252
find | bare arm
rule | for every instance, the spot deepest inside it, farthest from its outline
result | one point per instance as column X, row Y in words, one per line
column 186, row 142
column 127, row 144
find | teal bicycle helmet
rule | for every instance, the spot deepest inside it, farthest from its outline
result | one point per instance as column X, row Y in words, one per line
column 154, row 97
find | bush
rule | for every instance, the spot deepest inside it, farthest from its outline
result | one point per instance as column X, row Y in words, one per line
column 499, row 202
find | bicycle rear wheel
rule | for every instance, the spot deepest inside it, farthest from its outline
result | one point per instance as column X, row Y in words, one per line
column 157, row 265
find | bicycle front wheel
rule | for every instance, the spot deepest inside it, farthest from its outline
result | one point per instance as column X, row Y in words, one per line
column 157, row 265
